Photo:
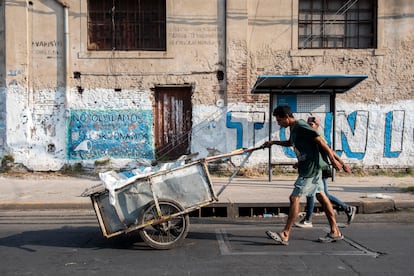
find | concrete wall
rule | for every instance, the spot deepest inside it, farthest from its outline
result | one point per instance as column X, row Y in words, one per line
column 54, row 118
column 2, row 80
column 374, row 126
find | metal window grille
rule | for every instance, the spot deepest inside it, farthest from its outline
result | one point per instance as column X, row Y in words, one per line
column 337, row 24
column 127, row 25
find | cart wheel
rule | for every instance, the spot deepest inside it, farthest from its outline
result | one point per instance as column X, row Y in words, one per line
column 167, row 234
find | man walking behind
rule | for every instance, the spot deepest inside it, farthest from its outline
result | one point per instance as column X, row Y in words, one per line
column 350, row 211
column 306, row 143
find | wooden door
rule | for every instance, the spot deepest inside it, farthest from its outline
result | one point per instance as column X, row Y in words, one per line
column 172, row 122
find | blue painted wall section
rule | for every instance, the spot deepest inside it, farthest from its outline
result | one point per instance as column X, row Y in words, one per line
column 393, row 133
column 328, row 128
column 345, row 145
column 93, row 134
column 388, row 135
column 290, row 100
column 239, row 130
column 283, row 137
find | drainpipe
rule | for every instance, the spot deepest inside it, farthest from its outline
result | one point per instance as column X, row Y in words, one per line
column 67, row 56
column 222, row 19
column 225, row 52
column 67, row 62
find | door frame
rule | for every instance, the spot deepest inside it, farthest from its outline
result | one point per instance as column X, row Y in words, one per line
column 172, row 140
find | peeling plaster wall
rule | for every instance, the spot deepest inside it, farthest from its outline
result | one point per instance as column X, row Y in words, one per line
column 35, row 94
column 374, row 119
column 2, row 80
column 44, row 91
column 43, row 131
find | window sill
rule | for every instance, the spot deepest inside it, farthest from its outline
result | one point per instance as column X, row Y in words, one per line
column 307, row 53
column 124, row 55
column 322, row 52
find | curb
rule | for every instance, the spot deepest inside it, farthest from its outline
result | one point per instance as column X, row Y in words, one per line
column 43, row 206
column 372, row 206
column 404, row 204
column 228, row 209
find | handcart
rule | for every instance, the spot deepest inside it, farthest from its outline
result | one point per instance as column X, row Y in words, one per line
column 156, row 204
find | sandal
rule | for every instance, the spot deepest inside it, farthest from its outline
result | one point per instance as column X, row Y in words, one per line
column 330, row 238
column 277, row 238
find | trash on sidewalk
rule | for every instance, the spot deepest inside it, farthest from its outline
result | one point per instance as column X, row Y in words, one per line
column 378, row 196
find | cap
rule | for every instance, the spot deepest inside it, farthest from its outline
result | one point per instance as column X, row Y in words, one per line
column 314, row 119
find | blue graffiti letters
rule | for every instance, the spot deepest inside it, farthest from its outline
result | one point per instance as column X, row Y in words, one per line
column 239, row 130
column 393, row 135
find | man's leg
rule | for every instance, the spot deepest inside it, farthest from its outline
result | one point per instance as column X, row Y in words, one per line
column 333, row 199
column 292, row 216
column 310, row 205
column 283, row 236
column 350, row 211
column 329, row 212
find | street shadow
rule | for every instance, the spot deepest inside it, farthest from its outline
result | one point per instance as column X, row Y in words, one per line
column 202, row 236
column 72, row 237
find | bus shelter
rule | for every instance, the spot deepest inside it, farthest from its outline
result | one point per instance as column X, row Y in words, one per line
column 304, row 94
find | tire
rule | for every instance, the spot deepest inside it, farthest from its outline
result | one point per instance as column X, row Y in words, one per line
column 169, row 233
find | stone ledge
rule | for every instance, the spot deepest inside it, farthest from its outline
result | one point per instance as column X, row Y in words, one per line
column 404, row 204
column 372, row 206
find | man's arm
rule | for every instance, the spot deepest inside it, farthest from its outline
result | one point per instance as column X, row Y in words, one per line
column 337, row 164
column 268, row 144
column 345, row 167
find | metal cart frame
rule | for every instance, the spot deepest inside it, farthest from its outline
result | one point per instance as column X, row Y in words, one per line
column 157, row 205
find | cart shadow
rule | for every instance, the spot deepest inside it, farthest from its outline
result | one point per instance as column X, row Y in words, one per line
column 72, row 237
column 202, row 236
column 89, row 237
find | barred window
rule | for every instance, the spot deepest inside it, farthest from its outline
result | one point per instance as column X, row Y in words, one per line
column 127, row 25
column 337, row 24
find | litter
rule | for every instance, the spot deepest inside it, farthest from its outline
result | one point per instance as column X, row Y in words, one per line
column 378, row 196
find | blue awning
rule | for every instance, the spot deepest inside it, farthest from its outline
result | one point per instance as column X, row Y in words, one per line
column 306, row 84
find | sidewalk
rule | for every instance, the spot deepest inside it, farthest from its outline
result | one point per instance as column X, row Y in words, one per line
column 370, row 194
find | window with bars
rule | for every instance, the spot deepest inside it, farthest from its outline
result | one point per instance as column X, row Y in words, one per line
column 348, row 24
column 127, row 25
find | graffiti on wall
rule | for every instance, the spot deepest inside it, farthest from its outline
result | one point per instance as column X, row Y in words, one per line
column 233, row 122
column 94, row 134
column 352, row 130
column 393, row 136
column 53, row 48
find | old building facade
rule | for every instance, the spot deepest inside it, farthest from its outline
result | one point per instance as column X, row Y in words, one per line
column 86, row 80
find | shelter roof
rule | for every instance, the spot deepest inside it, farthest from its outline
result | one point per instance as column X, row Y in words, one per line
column 306, row 84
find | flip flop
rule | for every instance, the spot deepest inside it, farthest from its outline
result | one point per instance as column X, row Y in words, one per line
column 329, row 238
column 277, row 238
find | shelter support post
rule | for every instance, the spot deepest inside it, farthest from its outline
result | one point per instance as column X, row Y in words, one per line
column 269, row 164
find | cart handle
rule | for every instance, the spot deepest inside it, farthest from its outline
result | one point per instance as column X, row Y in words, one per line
column 232, row 153
column 249, row 152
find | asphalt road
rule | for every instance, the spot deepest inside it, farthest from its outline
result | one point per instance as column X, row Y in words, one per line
column 69, row 242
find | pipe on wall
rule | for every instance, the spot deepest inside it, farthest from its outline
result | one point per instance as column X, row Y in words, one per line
column 67, row 53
